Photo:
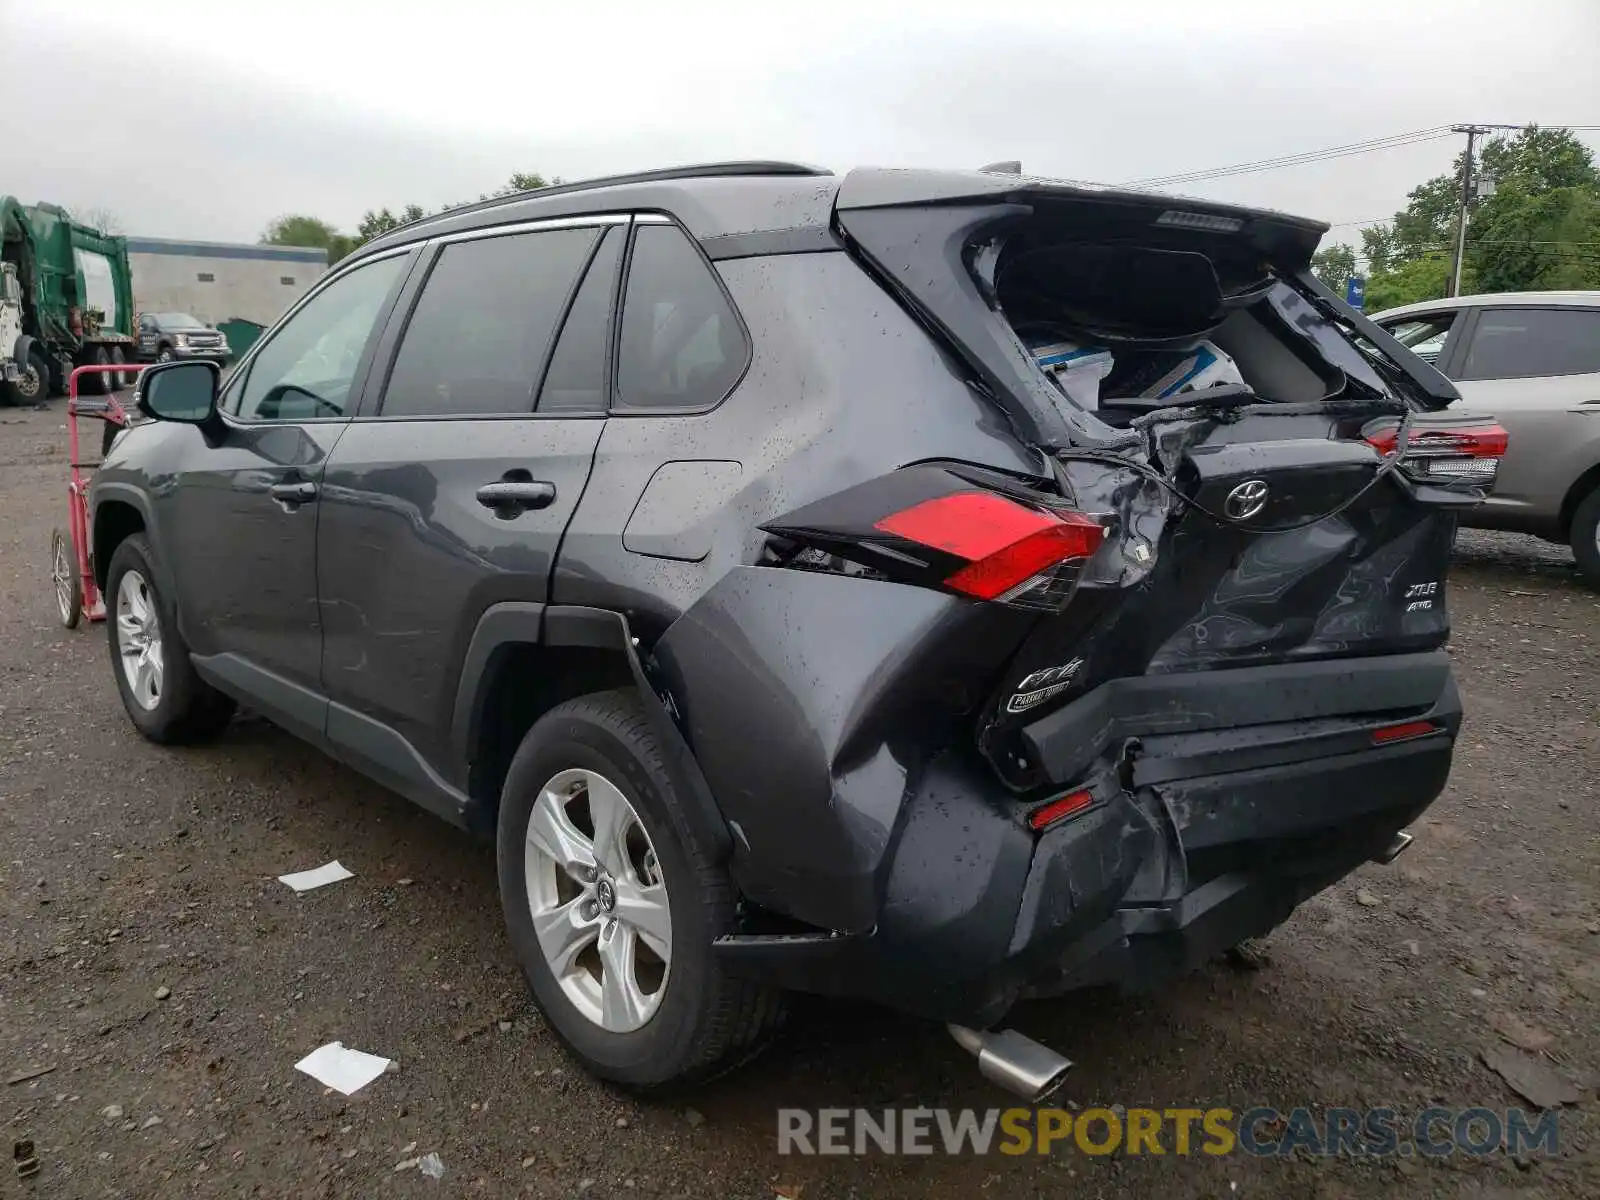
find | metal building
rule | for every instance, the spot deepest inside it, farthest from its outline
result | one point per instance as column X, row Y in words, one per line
column 220, row 281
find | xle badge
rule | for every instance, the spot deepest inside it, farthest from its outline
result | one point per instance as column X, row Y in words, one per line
column 1041, row 685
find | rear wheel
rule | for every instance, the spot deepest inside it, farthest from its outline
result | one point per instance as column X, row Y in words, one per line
column 65, row 580
column 98, row 383
column 1586, row 537
column 164, row 355
column 166, row 700
column 612, row 903
column 120, row 379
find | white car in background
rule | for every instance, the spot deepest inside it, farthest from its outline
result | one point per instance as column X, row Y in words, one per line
column 1532, row 360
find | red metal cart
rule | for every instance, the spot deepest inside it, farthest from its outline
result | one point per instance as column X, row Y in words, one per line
column 70, row 572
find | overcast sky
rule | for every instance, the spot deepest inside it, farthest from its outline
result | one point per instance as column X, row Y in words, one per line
column 207, row 119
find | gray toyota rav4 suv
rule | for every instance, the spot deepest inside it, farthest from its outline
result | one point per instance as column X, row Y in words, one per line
column 943, row 588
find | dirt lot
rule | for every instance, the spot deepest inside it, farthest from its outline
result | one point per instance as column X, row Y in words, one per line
column 150, row 957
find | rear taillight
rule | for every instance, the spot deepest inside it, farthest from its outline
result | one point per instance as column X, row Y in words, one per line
column 1405, row 731
column 1059, row 810
column 1467, row 452
column 1014, row 553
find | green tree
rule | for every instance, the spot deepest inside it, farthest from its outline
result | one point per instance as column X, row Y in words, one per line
column 1334, row 265
column 297, row 229
column 1539, row 229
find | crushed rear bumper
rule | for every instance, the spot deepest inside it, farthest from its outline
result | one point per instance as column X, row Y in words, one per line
column 1223, row 799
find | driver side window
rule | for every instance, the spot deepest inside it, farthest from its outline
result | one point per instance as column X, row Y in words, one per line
column 306, row 370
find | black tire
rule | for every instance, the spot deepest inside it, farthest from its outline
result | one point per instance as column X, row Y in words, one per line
column 164, row 354
column 708, row 1020
column 99, row 383
column 1586, row 537
column 187, row 708
column 65, row 579
column 34, row 386
column 121, row 379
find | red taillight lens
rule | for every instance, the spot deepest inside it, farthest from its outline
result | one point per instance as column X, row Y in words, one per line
column 1014, row 553
column 1403, row 732
column 1056, row 810
column 1469, row 451
column 1488, row 440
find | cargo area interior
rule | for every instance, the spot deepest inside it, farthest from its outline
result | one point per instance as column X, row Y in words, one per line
column 1128, row 315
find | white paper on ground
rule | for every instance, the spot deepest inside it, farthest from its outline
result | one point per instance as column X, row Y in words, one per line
column 304, row 881
column 343, row 1070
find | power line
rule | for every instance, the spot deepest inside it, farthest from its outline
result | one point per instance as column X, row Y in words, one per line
column 1414, row 137
column 1294, row 160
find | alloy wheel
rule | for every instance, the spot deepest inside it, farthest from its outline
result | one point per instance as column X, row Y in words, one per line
column 139, row 640
column 598, row 900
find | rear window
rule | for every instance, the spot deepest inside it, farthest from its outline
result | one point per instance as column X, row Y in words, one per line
column 1522, row 343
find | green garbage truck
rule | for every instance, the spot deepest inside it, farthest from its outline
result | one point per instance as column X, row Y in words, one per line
column 66, row 300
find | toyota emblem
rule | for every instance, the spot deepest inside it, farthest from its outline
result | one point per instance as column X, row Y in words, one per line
column 1246, row 500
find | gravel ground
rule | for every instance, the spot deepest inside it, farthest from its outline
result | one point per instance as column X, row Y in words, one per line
column 152, row 960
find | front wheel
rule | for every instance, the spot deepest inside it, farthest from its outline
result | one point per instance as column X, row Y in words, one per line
column 166, row 700
column 65, row 579
column 1586, row 537
column 612, row 903
column 165, row 355
column 33, row 385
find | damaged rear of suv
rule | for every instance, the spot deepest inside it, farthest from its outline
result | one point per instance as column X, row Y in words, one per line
column 991, row 733
column 942, row 588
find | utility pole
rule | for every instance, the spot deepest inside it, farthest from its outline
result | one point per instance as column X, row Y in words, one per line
column 1459, row 257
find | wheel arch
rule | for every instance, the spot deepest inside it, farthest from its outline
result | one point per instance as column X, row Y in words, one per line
column 118, row 514
column 1576, row 494
column 522, row 661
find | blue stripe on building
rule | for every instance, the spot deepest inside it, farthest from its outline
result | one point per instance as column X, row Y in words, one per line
column 181, row 249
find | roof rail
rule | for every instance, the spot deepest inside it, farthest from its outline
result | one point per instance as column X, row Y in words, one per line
column 716, row 170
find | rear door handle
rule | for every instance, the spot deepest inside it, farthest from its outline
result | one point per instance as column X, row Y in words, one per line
column 510, row 497
column 292, row 494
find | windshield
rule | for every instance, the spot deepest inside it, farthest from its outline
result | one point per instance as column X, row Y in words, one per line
column 177, row 321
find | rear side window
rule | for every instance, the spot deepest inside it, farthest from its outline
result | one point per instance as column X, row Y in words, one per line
column 682, row 347
column 479, row 333
column 576, row 380
column 1520, row 343
column 1424, row 336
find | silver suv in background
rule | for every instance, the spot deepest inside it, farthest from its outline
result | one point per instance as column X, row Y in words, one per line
column 1532, row 359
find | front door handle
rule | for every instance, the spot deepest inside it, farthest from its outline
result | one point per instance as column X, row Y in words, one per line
column 292, row 495
column 508, row 497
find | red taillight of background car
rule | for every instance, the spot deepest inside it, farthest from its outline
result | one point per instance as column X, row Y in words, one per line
column 1461, row 450
column 1015, row 553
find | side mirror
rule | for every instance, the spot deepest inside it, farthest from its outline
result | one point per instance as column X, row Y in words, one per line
column 180, row 391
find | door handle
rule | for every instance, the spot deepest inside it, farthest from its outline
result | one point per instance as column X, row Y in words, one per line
column 293, row 494
column 508, row 497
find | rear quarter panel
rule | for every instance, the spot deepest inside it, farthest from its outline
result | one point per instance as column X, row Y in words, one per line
column 842, row 386
column 1554, row 428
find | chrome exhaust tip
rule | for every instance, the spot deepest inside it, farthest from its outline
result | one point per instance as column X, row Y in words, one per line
column 1394, row 849
column 1014, row 1061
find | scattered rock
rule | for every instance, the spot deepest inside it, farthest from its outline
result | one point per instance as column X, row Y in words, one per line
column 408, row 1148
column 1477, row 993
column 622, row 1122
column 1366, row 899
column 584, row 1185
column 1530, row 1078
column 505, row 1026
column 432, row 1165
column 407, row 1164
column 404, row 882
column 112, row 1112
column 1594, row 927
column 529, row 1161
column 1413, row 947
column 348, row 1154
column 151, row 1122
column 695, row 1117
column 1519, row 1033
column 163, row 992
column 1249, row 955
